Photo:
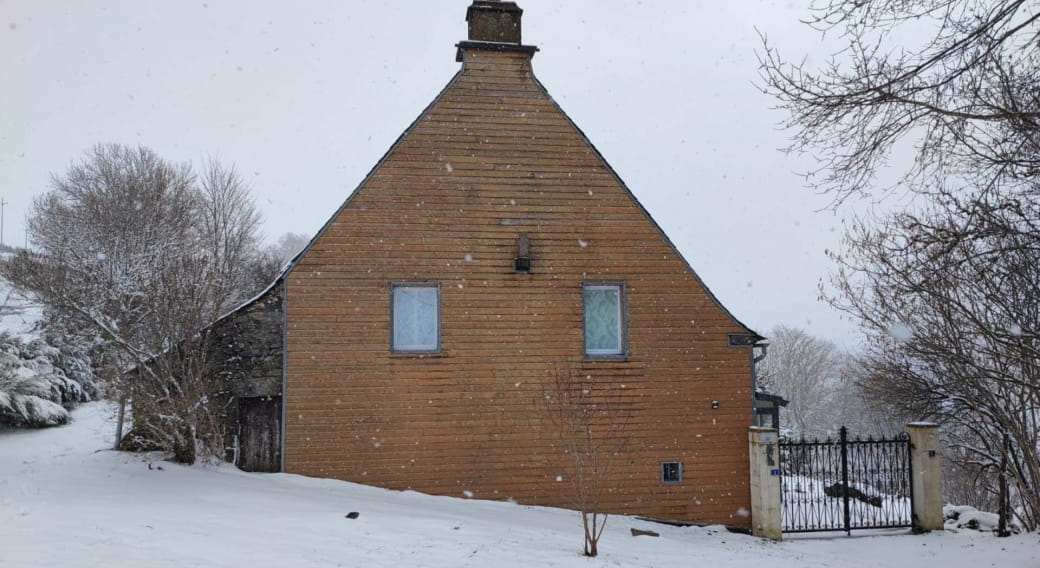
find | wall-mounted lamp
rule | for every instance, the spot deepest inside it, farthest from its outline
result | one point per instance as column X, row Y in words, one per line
column 522, row 262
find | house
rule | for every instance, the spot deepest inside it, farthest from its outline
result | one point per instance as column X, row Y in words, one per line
column 489, row 248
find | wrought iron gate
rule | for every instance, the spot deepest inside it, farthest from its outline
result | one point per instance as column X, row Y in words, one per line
column 845, row 484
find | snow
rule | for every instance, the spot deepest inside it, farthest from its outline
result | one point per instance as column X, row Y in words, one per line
column 900, row 331
column 37, row 411
column 32, row 387
column 18, row 316
column 65, row 500
column 819, row 510
column 970, row 518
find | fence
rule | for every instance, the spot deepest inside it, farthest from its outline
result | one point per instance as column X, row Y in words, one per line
column 846, row 484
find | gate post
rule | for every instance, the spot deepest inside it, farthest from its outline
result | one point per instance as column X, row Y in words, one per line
column 926, row 476
column 764, row 449
column 846, row 516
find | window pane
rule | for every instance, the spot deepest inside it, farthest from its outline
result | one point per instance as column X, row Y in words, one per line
column 415, row 318
column 603, row 320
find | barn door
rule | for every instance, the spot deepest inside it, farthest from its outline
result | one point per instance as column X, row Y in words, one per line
column 260, row 433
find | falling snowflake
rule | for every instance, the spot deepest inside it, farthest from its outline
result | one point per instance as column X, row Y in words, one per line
column 582, row 243
column 900, row 331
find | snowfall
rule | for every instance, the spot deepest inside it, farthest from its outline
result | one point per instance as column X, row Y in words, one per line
column 67, row 500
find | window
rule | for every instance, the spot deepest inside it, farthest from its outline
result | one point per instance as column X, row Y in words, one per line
column 671, row 472
column 415, row 314
column 604, row 320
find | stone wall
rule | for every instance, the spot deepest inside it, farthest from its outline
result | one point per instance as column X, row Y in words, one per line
column 247, row 350
column 247, row 346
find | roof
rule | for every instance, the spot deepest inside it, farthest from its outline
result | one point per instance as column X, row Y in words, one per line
column 775, row 398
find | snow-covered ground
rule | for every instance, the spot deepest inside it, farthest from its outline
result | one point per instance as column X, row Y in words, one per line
column 815, row 509
column 66, row 501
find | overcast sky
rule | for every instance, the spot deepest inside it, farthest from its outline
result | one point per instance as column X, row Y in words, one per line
column 304, row 97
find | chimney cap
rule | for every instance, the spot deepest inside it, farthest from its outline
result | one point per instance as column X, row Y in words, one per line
column 494, row 25
column 494, row 6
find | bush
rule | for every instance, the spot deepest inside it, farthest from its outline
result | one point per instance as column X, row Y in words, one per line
column 40, row 380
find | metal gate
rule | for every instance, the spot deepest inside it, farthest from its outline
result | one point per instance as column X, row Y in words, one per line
column 845, row 484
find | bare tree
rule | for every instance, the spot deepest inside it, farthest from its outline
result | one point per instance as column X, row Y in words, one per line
column 288, row 246
column 806, row 371
column 951, row 312
column 274, row 258
column 861, row 409
column 591, row 419
column 953, row 80
column 230, row 226
column 947, row 297
column 130, row 248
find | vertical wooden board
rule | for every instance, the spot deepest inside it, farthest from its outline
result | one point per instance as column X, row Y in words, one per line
column 260, row 433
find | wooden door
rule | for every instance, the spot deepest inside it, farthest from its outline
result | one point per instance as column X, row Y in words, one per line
column 260, row 433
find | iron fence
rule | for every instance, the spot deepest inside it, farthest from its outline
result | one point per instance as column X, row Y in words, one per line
column 846, row 484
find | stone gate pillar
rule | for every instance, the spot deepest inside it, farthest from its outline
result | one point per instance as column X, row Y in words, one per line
column 764, row 449
column 926, row 476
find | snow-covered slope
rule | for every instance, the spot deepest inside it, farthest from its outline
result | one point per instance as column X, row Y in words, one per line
column 66, row 501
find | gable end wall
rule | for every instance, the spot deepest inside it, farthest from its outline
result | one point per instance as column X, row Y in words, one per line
column 494, row 156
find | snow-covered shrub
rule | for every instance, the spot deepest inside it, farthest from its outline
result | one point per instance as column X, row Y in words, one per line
column 965, row 517
column 36, row 389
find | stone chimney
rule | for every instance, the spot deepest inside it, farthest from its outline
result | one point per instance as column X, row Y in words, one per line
column 490, row 20
column 494, row 25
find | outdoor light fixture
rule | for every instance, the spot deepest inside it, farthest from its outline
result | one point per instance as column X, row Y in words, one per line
column 522, row 262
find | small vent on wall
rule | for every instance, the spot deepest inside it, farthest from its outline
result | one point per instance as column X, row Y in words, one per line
column 671, row 472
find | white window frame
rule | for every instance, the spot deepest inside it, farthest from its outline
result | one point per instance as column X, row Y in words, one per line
column 436, row 346
column 622, row 331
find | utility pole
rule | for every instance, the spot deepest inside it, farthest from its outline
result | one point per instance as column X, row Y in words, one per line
column 2, row 204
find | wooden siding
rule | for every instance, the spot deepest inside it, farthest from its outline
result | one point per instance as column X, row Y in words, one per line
column 493, row 156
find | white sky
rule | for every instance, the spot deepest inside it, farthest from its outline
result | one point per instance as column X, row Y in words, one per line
column 304, row 97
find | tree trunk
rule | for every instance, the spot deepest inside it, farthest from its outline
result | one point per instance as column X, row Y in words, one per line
column 119, row 423
column 1002, row 507
column 184, row 448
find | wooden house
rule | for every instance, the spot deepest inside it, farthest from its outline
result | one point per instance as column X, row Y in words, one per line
column 490, row 250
